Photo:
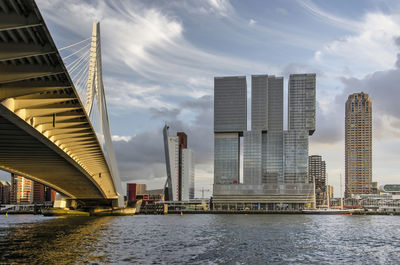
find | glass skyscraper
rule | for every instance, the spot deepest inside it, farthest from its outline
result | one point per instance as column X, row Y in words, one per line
column 230, row 121
column 275, row 162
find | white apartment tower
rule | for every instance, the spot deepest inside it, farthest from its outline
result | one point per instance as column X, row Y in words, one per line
column 180, row 167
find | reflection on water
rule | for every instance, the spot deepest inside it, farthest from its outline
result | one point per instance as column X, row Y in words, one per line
column 210, row 239
column 59, row 240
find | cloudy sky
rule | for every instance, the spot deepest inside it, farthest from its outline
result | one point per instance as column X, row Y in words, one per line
column 160, row 57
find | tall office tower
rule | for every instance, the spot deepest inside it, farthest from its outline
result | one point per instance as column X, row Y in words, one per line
column 275, row 162
column 295, row 156
column 273, row 157
column 317, row 174
column 267, row 117
column 266, row 103
column 358, row 144
column 301, row 104
column 302, row 98
column 5, row 189
column 230, row 121
column 21, row 190
column 252, row 157
column 180, row 167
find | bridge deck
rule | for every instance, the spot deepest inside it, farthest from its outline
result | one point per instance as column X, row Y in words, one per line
column 45, row 133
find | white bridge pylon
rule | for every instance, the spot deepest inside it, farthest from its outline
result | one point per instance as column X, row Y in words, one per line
column 95, row 91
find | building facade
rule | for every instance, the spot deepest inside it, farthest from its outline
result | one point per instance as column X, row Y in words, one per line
column 38, row 192
column 358, row 145
column 317, row 175
column 5, row 192
column 230, row 121
column 275, row 162
column 21, row 190
column 26, row 191
column 180, row 167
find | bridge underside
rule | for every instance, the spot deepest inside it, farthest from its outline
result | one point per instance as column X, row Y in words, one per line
column 25, row 151
column 45, row 133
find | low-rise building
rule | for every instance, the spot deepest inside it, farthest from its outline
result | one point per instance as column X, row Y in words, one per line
column 137, row 192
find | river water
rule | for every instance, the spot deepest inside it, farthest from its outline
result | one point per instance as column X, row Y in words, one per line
column 200, row 239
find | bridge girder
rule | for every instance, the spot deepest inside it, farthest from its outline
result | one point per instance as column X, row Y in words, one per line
column 41, row 114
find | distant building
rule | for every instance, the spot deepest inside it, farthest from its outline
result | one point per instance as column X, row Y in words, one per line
column 358, row 145
column 133, row 190
column 393, row 189
column 330, row 192
column 21, row 190
column 42, row 193
column 38, row 192
column 374, row 188
column 26, row 191
column 139, row 192
column 180, row 167
column 5, row 191
column 49, row 194
column 317, row 174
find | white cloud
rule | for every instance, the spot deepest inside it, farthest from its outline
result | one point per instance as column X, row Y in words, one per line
column 252, row 22
column 326, row 17
column 222, row 7
column 370, row 48
column 121, row 138
column 149, row 43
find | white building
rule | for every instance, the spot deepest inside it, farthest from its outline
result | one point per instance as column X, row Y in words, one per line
column 180, row 167
column 188, row 174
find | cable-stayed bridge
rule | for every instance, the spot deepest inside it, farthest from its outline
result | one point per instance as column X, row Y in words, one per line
column 53, row 116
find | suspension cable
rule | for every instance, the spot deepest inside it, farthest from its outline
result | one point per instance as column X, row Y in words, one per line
column 82, row 61
column 78, row 74
column 66, row 47
column 77, row 59
column 65, row 58
column 78, row 80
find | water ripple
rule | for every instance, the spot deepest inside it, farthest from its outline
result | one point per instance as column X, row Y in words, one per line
column 200, row 239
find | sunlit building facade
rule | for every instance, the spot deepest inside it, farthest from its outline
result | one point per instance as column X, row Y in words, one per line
column 5, row 189
column 21, row 190
column 358, row 145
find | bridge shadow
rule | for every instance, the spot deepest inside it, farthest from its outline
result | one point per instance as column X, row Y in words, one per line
column 63, row 240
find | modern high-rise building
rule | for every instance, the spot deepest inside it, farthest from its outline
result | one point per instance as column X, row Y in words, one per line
column 180, row 167
column 266, row 103
column 302, row 98
column 317, row 174
column 230, row 121
column 38, row 192
column 5, row 191
column 358, row 145
column 275, row 162
column 21, row 190
column 26, row 191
